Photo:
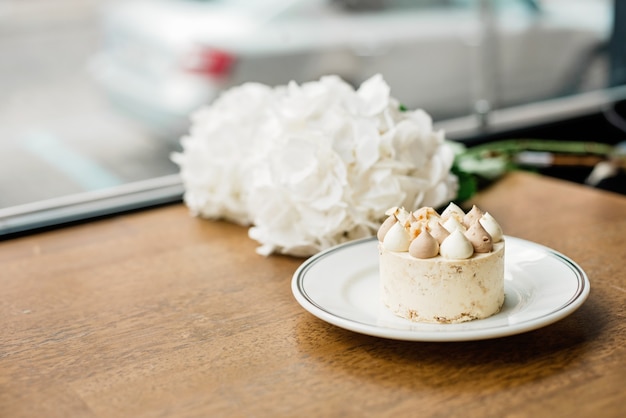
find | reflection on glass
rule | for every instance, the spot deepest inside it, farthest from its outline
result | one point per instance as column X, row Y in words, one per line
column 443, row 56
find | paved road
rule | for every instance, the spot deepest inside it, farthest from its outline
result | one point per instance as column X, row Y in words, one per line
column 58, row 133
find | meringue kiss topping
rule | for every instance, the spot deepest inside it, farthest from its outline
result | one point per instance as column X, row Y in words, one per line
column 480, row 239
column 438, row 232
column 453, row 211
column 426, row 234
column 425, row 213
column 492, row 227
column 424, row 245
column 452, row 224
column 397, row 238
column 473, row 215
column 456, row 246
column 384, row 228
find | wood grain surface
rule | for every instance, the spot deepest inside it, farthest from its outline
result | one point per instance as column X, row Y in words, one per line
column 157, row 313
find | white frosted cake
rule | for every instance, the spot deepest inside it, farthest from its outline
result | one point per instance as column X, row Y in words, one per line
column 446, row 268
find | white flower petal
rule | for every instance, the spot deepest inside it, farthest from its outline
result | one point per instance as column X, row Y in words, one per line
column 374, row 94
column 311, row 165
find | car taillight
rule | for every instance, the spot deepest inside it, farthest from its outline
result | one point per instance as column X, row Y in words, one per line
column 209, row 61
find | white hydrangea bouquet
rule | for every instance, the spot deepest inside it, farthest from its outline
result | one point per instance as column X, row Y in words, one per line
column 314, row 165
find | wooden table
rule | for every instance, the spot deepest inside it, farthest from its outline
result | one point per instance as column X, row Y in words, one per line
column 158, row 313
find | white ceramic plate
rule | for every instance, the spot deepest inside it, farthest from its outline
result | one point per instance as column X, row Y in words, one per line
column 340, row 286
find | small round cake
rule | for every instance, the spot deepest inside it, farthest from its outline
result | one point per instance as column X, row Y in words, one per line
column 446, row 268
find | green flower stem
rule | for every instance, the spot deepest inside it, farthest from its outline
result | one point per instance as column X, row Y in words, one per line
column 480, row 165
column 513, row 146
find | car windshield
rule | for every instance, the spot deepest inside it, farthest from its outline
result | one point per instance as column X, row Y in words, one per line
column 96, row 96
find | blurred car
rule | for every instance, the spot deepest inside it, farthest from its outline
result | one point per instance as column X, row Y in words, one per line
column 162, row 59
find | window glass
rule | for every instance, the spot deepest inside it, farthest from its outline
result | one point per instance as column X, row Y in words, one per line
column 96, row 94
